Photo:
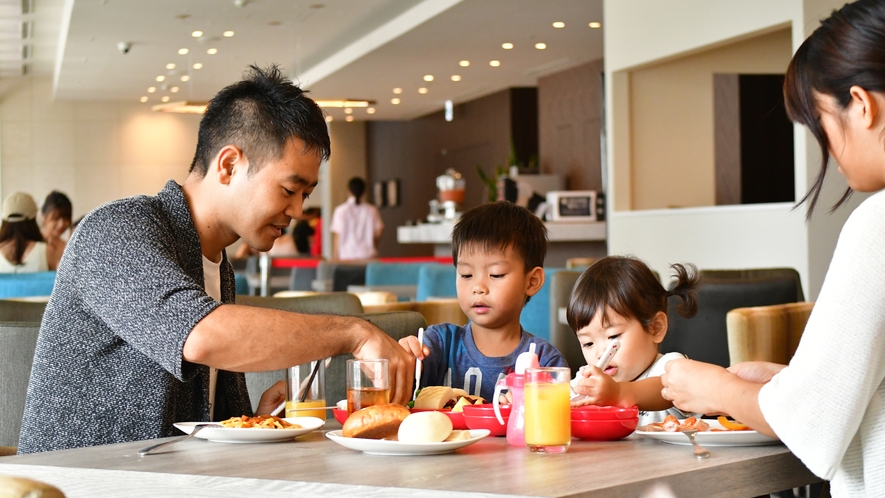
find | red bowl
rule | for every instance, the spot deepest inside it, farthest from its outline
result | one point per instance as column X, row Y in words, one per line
column 483, row 417
column 593, row 412
column 340, row 415
column 457, row 418
column 603, row 430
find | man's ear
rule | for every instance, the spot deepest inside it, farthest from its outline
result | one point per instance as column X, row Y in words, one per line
column 659, row 326
column 229, row 162
column 535, row 281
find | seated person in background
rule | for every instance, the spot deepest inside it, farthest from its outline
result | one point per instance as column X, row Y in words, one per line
column 356, row 226
column 499, row 251
column 305, row 229
column 55, row 218
column 21, row 246
column 620, row 298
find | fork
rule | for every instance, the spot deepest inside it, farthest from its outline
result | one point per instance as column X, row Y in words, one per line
column 197, row 428
column 699, row 451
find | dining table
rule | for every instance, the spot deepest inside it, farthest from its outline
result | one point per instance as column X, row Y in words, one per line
column 314, row 465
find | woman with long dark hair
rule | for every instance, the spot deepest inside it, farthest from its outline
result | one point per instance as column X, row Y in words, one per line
column 828, row 405
column 55, row 218
column 21, row 244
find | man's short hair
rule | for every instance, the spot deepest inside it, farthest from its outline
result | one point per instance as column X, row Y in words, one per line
column 499, row 225
column 259, row 115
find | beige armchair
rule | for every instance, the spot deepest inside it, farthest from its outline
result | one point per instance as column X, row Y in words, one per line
column 766, row 333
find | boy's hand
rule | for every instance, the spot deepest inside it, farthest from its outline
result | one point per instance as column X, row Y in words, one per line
column 597, row 388
column 410, row 344
column 271, row 398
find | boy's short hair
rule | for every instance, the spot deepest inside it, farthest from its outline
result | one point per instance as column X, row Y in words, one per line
column 499, row 225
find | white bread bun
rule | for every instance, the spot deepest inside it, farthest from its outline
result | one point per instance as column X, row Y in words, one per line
column 434, row 397
column 375, row 422
column 425, row 427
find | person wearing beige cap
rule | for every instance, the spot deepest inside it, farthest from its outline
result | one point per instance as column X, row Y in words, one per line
column 21, row 243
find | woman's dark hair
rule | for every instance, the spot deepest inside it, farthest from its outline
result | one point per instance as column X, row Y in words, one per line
column 21, row 233
column 627, row 286
column 848, row 49
column 259, row 115
column 357, row 187
column 58, row 202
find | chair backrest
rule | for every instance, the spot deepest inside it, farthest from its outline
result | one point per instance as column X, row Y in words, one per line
column 378, row 273
column 434, row 312
column 766, row 333
column 705, row 336
column 334, row 303
column 436, row 281
column 562, row 336
column 535, row 317
column 13, row 310
column 17, row 343
column 755, row 274
column 26, row 284
column 397, row 324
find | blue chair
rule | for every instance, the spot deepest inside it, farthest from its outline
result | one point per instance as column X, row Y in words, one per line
column 26, row 284
column 535, row 317
column 242, row 283
column 398, row 278
column 436, row 280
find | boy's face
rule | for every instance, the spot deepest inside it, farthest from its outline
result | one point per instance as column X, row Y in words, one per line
column 639, row 347
column 492, row 286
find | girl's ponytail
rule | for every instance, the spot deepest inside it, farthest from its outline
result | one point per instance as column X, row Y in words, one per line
column 687, row 279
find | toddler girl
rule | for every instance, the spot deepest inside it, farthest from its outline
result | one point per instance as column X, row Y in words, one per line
column 620, row 298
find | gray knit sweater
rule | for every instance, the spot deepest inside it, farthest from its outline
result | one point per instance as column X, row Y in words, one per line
column 108, row 366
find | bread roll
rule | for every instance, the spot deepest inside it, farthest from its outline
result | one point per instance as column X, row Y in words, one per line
column 434, row 397
column 425, row 427
column 375, row 422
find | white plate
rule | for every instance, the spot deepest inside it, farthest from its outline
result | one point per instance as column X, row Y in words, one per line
column 252, row 435
column 397, row 448
column 727, row 438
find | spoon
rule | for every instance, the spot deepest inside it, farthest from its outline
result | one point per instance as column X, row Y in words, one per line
column 197, row 428
column 699, row 451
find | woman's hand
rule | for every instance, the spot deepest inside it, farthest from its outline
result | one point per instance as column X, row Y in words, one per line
column 271, row 398
column 597, row 388
column 694, row 386
column 758, row 372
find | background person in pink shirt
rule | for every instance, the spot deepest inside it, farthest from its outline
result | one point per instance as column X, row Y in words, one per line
column 356, row 226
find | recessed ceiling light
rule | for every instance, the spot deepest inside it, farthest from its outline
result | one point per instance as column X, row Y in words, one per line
column 397, row 91
column 348, row 110
column 185, row 77
column 197, row 34
column 370, row 110
column 143, row 99
column 595, row 25
column 182, row 51
column 507, row 46
column 212, row 51
column 464, row 63
column 348, row 119
column 198, row 65
column 422, row 90
column 228, row 34
column 494, row 63
column 559, row 24
column 165, row 98
column 329, row 119
column 170, row 66
column 540, row 46
column 174, row 89
column 456, row 77
column 395, row 101
column 428, row 77
column 152, row 89
column 161, row 78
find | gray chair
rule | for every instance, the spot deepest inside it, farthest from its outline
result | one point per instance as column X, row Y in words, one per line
column 754, row 274
column 562, row 336
column 21, row 311
column 17, row 343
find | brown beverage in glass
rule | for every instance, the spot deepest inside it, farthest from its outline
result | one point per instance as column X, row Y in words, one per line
column 357, row 399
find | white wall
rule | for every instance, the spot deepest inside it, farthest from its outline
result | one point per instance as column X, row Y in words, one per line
column 642, row 32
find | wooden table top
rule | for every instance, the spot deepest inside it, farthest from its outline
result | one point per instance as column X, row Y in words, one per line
column 314, row 464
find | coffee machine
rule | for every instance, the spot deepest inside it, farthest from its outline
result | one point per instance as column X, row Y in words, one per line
column 450, row 197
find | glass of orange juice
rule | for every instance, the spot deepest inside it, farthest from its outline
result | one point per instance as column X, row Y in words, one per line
column 367, row 384
column 296, row 383
column 548, row 424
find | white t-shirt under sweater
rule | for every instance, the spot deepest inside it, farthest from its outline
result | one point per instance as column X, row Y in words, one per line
column 828, row 405
column 34, row 261
column 356, row 225
column 655, row 370
column 212, row 281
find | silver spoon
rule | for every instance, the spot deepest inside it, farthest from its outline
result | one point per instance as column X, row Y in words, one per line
column 197, row 428
column 699, row 451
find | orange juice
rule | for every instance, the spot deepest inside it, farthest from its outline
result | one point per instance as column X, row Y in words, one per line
column 311, row 403
column 547, row 416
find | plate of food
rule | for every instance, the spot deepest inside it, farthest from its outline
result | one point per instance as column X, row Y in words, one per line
column 720, row 432
column 393, row 430
column 258, row 429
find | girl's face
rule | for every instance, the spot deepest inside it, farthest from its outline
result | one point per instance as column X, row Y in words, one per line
column 639, row 347
column 54, row 225
column 855, row 138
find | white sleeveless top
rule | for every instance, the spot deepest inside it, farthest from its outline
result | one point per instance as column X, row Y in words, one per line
column 33, row 262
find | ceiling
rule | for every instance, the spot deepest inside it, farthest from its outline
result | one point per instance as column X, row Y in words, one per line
column 354, row 49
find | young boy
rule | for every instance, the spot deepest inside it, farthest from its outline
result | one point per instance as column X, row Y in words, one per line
column 499, row 252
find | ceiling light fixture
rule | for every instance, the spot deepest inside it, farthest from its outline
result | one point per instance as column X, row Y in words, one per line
column 397, row 91
column 507, row 46
column 165, row 98
column 540, row 46
column 228, row 34
column 174, row 89
column 349, row 119
column 329, row 119
column 345, row 103
column 422, row 90
column 181, row 107
column 456, row 77
column 348, row 110
column 464, row 63
column 370, row 110
column 161, row 78
column 197, row 34
column 198, row 65
column 559, row 24
column 494, row 63
column 212, row 51
column 143, row 99
column 182, row 51
column 170, row 66
column 152, row 89
column 185, row 77
column 395, row 101
column 595, row 25
column 428, row 77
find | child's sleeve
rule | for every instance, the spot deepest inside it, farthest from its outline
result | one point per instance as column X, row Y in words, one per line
column 551, row 357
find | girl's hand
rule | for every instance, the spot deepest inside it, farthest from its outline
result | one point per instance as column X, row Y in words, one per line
column 694, row 386
column 271, row 398
column 758, row 372
column 597, row 387
column 410, row 344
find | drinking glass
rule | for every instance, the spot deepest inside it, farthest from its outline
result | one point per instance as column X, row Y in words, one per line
column 367, row 384
column 296, row 382
column 548, row 425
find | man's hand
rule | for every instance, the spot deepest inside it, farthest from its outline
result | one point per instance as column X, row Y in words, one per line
column 376, row 344
column 271, row 398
